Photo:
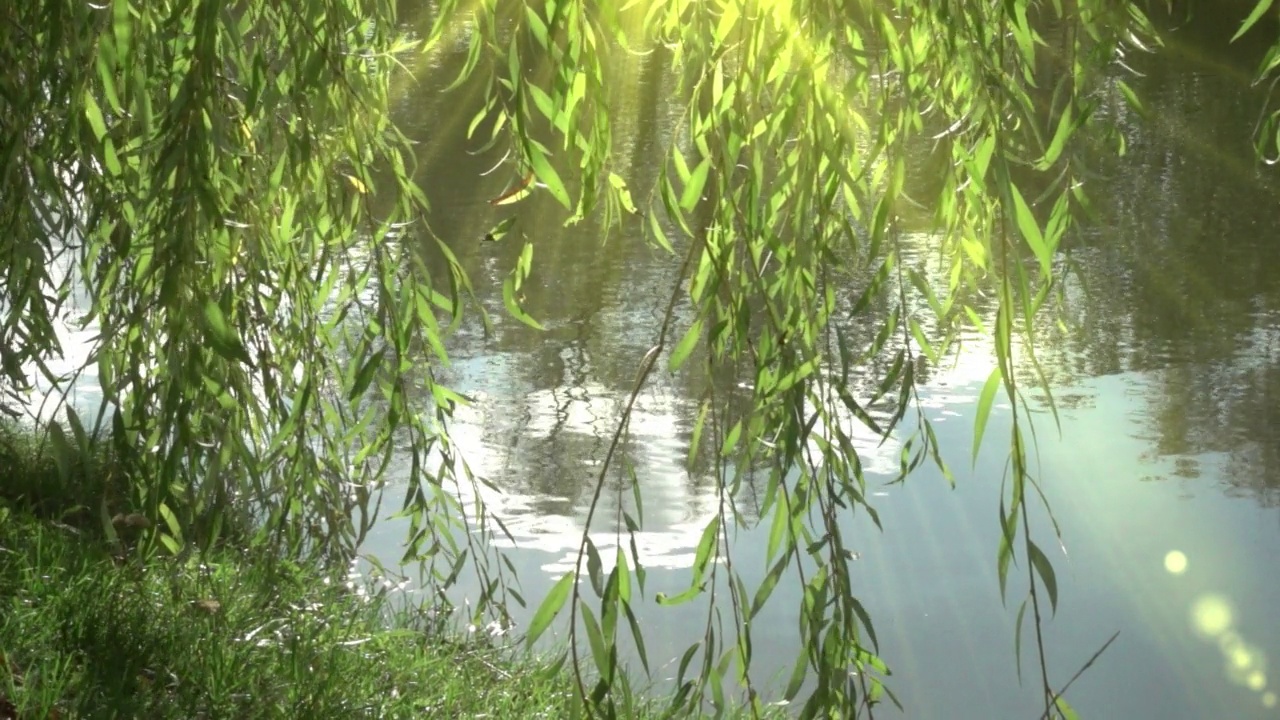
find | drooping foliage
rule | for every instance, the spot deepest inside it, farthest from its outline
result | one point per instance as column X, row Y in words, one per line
column 204, row 172
column 784, row 188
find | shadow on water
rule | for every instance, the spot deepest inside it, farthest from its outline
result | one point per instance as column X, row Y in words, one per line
column 1165, row 478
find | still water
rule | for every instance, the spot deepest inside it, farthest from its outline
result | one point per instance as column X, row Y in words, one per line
column 1165, row 477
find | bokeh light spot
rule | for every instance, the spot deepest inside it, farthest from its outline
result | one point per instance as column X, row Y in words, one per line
column 1211, row 615
column 1175, row 562
column 1256, row 681
column 1242, row 658
column 1269, row 700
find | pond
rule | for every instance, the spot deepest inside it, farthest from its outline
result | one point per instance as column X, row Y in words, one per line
column 1165, row 477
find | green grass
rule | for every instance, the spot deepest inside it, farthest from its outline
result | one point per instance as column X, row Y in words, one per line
column 84, row 636
column 88, row 631
column 69, row 492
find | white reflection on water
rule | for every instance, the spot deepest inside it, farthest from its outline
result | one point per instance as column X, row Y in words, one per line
column 677, row 505
column 75, row 375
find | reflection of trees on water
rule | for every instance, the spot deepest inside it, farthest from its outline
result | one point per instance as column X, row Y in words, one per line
column 1181, row 280
column 1178, row 274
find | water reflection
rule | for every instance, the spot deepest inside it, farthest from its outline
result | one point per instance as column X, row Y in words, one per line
column 1170, row 372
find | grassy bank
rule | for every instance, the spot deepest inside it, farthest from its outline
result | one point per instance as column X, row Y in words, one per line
column 83, row 635
column 89, row 632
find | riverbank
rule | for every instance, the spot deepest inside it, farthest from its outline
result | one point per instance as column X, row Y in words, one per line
column 84, row 635
column 87, row 633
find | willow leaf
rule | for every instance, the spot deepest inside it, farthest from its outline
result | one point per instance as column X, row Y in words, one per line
column 1254, row 16
column 550, row 607
column 985, row 400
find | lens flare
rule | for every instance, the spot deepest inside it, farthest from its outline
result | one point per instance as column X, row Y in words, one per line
column 1211, row 615
column 1256, row 681
column 1175, row 562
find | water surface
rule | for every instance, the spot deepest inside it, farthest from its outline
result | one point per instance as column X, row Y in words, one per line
column 1165, row 477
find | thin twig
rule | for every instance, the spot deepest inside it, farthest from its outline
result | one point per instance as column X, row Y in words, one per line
column 642, row 375
column 1053, row 699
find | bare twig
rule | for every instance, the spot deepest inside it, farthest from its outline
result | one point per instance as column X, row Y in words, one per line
column 1053, row 699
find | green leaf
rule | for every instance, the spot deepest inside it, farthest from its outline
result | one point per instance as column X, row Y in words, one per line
column 693, row 187
column 577, row 91
column 104, row 517
column 595, row 567
column 1030, row 229
column 688, row 594
column 365, row 376
column 170, row 543
column 77, row 430
column 682, row 168
column 537, row 26
column 660, row 235
column 636, row 635
column 865, row 618
column 550, row 607
column 685, row 346
column 122, row 27
column 685, row 658
column 767, row 585
column 1066, row 125
column 624, row 576
column 599, row 650
column 547, row 175
column 1132, row 98
column 706, row 545
column 1068, row 712
column 619, row 186
column 1044, row 568
column 171, row 521
column 110, row 158
column 1004, row 555
column 1258, row 11
column 731, row 440
column 1017, row 639
column 728, row 18
column 778, row 529
column 107, row 62
column 798, row 672
column 542, row 101
column 985, row 400
column 93, row 114
column 222, row 337
column 513, row 305
column 63, row 454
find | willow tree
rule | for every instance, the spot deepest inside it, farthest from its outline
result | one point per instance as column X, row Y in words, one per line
column 202, row 173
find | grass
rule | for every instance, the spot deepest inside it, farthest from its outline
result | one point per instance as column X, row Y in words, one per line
column 89, row 632
column 35, row 482
column 84, row 636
